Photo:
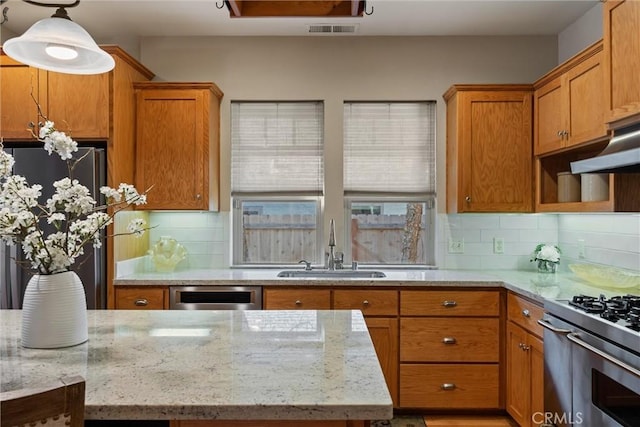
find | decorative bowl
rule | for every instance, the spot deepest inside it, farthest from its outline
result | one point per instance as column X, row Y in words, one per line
column 607, row 277
column 166, row 254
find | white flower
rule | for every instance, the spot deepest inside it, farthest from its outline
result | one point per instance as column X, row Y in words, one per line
column 6, row 164
column 74, row 217
column 137, row 227
column 548, row 253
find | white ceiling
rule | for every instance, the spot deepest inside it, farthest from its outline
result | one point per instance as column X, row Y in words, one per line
column 139, row 18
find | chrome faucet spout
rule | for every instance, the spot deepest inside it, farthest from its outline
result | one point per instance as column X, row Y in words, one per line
column 334, row 260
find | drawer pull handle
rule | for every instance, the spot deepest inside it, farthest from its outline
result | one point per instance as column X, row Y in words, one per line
column 526, row 313
column 365, row 302
column 449, row 340
column 449, row 304
column 298, row 302
column 141, row 302
column 448, row 386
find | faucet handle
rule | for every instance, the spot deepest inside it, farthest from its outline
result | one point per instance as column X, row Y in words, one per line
column 307, row 264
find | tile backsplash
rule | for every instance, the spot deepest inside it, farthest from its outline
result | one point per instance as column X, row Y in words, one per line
column 610, row 239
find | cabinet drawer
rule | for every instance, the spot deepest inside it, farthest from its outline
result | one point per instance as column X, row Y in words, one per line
column 140, row 299
column 449, row 386
column 524, row 313
column 449, row 303
column 297, row 299
column 449, row 340
column 372, row 303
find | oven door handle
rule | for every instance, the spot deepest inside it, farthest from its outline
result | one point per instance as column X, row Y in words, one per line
column 545, row 324
column 575, row 338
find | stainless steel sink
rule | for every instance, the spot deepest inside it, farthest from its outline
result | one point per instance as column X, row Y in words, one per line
column 368, row 274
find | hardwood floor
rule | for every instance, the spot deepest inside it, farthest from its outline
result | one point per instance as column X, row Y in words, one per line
column 468, row 421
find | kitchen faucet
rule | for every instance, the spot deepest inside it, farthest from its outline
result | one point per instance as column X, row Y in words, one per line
column 334, row 259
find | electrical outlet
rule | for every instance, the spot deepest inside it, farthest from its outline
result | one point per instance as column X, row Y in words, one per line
column 456, row 246
column 581, row 251
column 498, row 245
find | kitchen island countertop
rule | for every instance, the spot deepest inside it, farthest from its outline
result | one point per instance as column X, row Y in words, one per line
column 264, row 365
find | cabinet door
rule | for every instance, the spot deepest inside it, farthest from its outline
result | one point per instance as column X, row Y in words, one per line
column 622, row 59
column 518, row 375
column 536, row 360
column 297, row 299
column 497, row 152
column 370, row 302
column 17, row 108
column 384, row 334
column 78, row 104
column 585, row 93
column 550, row 121
column 144, row 298
column 172, row 148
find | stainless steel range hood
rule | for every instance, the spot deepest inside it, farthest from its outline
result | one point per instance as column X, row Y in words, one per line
column 622, row 155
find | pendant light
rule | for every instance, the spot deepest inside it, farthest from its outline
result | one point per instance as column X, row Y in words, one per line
column 59, row 44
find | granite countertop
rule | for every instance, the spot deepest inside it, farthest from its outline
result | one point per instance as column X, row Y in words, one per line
column 534, row 285
column 300, row 365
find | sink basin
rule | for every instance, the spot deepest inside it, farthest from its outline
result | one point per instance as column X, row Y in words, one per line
column 367, row 274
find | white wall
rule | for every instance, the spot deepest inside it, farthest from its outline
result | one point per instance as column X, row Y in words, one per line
column 582, row 33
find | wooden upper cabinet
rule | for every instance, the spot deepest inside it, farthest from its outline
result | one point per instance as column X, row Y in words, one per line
column 622, row 62
column 17, row 108
column 568, row 103
column 489, row 148
column 78, row 104
column 177, row 144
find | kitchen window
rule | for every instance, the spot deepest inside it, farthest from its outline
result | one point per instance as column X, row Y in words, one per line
column 389, row 182
column 277, row 178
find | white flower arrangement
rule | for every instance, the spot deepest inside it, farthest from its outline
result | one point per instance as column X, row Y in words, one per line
column 75, row 216
column 544, row 252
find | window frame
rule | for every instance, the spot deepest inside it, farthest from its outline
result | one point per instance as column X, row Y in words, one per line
column 237, row 229
column 430, row 214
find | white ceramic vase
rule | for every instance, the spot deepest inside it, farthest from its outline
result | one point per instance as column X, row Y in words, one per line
column 54, row 311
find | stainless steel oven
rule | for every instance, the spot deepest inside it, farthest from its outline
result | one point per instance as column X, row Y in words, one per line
column 592, row 362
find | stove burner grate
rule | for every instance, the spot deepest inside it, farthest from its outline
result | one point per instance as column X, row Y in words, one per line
column 624, row 308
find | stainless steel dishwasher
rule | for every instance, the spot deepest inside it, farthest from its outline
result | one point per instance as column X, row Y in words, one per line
column 215, row 298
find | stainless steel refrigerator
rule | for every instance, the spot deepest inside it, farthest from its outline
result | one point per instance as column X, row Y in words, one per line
column 38, row 167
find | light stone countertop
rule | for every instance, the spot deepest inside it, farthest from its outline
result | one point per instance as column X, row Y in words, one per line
column 300, row 365
column 538, row 286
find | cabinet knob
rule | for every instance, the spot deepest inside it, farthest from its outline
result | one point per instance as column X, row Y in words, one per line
column 141, row 302
column 365, row 302
column 560, row 133
column 449, row 304
column 526, row 313
column 448, row 386
column 449, row 340
column 298, row 302
column 198, row 196
column 468, row 199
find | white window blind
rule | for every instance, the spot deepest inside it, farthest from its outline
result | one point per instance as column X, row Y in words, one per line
column 277, row 147
column 390, row 147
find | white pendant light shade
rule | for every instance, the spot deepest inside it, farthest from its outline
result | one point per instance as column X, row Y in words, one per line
column 60, row 45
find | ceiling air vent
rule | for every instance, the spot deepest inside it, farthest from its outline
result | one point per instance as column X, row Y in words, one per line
column 328, row 28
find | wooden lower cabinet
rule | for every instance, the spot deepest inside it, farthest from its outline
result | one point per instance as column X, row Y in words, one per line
column 267, row 423
column 451, row 349
column 296, row 299
column 384, row 334
column 525, row 364
column 445, row 386
column 142, row 298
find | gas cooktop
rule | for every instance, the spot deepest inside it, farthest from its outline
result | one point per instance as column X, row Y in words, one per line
column 616, row 319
